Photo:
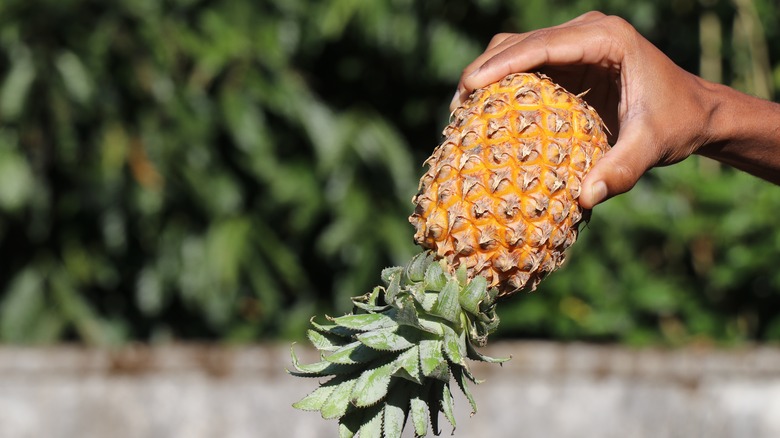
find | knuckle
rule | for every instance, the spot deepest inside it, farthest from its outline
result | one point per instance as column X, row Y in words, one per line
column 593, row 15
column 466, row 72
column 500, row 38
column 619, row 23
column 541, row 36
column 617, row 31
column 625, row 177
column 497, row 38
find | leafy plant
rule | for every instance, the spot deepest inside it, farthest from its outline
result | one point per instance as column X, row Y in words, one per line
column 192, row 169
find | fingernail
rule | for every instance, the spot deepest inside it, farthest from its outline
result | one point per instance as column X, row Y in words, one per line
column 474, row 73
column 598, row 192
column 455, row 100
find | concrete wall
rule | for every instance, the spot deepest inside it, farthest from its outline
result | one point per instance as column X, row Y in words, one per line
column 546, row 390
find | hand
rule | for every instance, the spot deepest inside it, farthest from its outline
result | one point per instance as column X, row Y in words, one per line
column 657, row 112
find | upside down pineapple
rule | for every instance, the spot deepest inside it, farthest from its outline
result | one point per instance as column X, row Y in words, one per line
column 495, row 212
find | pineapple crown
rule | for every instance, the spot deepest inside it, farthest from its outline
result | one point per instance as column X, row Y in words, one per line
column 395, row 355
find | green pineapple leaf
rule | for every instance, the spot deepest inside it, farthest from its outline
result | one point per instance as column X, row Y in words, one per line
column 394, row 286
column 415, row 271
column 461, row 374
column 325, row 341
column 315, row 400
column 434, row 278
column 317, row 369
column 338, row 401
column 432, row 361
column 389, row 339
column 448, row 405
column 408, row 365
column 367, row 321
column 333, row 329
column 447, row 305
column 473, row 294
column 372, row 425
column 396, row 410
column 420, row 415
column 473, row 354
column 372, row 386
column 352, row 354
column 454, row 346
column 395, row 355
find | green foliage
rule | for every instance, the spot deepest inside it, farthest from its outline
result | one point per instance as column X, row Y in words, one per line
column 394, row 357
column 222, row 170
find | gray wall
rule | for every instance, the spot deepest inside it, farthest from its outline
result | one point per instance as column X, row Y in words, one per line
column 546, row 390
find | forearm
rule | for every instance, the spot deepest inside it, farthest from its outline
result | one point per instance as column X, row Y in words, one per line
column 744, row 132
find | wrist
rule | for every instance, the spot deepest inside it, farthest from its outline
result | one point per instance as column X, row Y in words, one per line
column 743, row 131
column 717, row 117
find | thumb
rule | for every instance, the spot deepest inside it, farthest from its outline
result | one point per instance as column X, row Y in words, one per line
column 621, row 167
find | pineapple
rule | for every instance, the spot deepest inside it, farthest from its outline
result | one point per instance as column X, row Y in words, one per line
column 500, row 196
column 494, row 213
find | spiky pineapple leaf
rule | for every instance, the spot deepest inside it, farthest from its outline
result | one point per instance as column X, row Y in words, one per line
column 432, row 361
column 454, row 345
column 467, row 373
column 447, row 305
column 434, row 278
column 372, row 426
column 462, row 274
column 317, row 369
column 372, row 385
column 393, row 287
column 448, row 406
column 333, row 329
column 394, row 271
column 428, row 300
column 473, row 294
column 317, row 398
column 430, row 326
column 368, row 307
column 353, row 353
column 419, row 410
column 325, row 341
column 415, row 271
column 417, row 290
column 337, row 403
column 473, row 354
column 407, row 365
column 367, row 321
column 461, row 374
column 349, row 424
column 369, row 302
column 389, row 339
column 396, row 355
column 408, row 315
column 396, row 410
column 433, row 399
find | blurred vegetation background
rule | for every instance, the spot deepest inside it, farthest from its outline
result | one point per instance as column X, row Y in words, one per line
column 223, row 170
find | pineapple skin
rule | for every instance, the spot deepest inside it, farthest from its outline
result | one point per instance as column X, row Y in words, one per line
column 500, row 194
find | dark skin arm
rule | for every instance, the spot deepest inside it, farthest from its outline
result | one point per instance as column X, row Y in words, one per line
column 658, row 113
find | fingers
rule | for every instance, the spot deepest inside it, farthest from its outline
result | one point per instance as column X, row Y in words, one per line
column 496, row 45
column 502, row 40
column 499, row 43
column 580, row 44
column 621, row 167
column 592, row 38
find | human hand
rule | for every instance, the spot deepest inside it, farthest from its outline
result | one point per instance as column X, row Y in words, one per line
column 657, row 112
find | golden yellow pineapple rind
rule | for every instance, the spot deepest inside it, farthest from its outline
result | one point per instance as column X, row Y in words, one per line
column 500, row 194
